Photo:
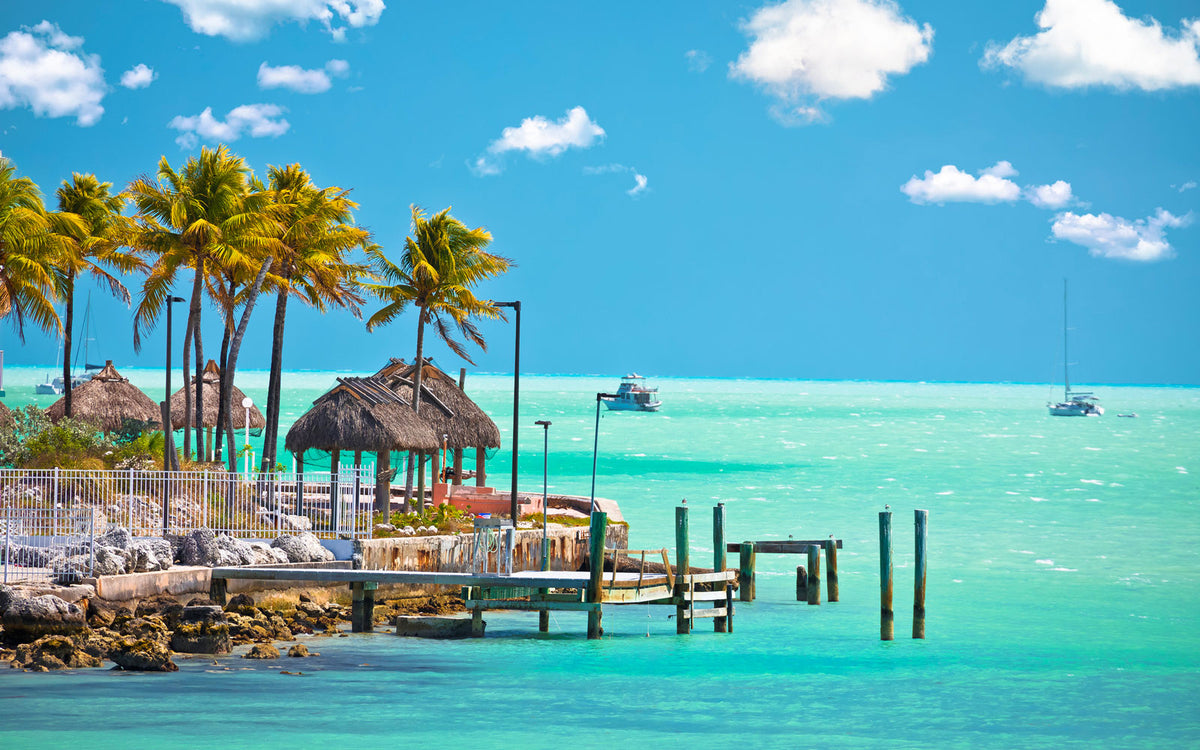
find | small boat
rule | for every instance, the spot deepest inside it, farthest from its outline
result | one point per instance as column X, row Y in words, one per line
column 633, row 395
column 1077, row 403
column 57, row 386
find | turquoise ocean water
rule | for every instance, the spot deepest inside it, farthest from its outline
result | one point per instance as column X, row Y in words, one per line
column 1063, row 588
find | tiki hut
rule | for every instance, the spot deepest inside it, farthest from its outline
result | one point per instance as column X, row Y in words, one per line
column 211, row 380
column 361, row 415
column 107, row 400
column 448, row 411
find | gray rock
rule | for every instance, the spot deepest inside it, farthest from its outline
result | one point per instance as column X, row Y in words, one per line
column 265, row 554
column 302, row 548
column 286, row 521
column 147, row 555
column 239, row 552
column 203, row 629
column 262, row 651
column 433, row 627
column 118, row 537
column 109, row 561
column 27, row 619
column 200, row 548
column 144, row 655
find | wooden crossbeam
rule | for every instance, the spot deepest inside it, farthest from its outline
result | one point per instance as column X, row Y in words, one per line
column 783, row 546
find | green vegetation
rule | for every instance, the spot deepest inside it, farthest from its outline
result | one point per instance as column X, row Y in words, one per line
column 447, row 519
column 34, row 442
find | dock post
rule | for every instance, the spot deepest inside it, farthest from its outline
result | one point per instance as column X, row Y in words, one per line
column 595, row 593
column 801, row 584
column 887, row 618
column 218, row 590
column 477, row 623
column 683, row 624
column 922, row 518
column 746, row 572
column 368, row 615
column 357, row 596
column 831, row 577
column 719, row 559
column 814, row 574
column 728, row 607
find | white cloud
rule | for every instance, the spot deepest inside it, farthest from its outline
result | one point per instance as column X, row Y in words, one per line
column 697, row 60
column 1110, row 236
column 1056, row 195
column 138, row 77
column 255, row 120
column 243, row 20
column 299, row 79
column 541, row 138
column 953, row 185
column 40, row 69
column 1189, row 185
column 639, row 185
column 1092, row 43
column 640, row 181
column 806, row 51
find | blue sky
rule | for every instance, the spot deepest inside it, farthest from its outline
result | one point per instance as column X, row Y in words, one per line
column 823, row 189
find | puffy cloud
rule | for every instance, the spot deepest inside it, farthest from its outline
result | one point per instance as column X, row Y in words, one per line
column 541, row 138
column 1056, row 195
column 40, row 69
column 138, row 77
column 1109, row 236
column 299, row 79
column 1092, row 43
column 243, row 20
column 1189, row 185
column 639, row 185
column 953, row 185
column 256, row 120
column 697, row 60
column 806, row 51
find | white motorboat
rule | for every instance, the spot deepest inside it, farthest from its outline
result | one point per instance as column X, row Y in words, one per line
column 1074, row 403
column 633, row 395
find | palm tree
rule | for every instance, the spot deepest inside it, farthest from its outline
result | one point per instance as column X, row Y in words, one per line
column 90, row 225
column 27, row 250
column 440, row 264
column 317, row 236
column 203, row 217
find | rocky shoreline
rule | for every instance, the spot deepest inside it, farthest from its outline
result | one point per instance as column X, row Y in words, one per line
column 45, row 632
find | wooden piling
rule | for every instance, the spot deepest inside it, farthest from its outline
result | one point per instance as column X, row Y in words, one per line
column 477, row 623
column 814, row 574
column 831, row 576
column 599, row 527
column 746, row 572
column 728, row 607
column 801, row 584
column 887, row 618
column 218, row 591
column 922, row 517
column 720, row 624
column 357, row 596
column 683, row 623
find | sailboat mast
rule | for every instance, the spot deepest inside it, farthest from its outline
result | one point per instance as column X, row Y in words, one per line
column 1066, row 359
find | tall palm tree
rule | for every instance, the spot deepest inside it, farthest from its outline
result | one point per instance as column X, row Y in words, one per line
column 27, row 250
column 91, row 227
column 202, row 217
column 442, row 261
column 313, row 266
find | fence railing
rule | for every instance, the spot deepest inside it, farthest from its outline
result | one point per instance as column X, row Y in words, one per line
column 46, row 544
column 159, row 503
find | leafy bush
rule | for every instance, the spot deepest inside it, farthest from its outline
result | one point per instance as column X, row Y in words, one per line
column 34, row 442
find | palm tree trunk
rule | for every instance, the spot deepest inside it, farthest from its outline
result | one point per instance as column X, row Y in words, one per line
column 68, row 324
column 193, row 330
column 408, row 481
column 383, row 484
column 222, row 415
column 200, row 448
column 275, row 381
column 235, row 344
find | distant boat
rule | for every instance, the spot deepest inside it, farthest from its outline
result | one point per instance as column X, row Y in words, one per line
column 57, row 386
column 633, row 395
column 1074, row 403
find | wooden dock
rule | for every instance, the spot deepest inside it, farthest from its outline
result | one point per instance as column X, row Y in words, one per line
column 693, row 595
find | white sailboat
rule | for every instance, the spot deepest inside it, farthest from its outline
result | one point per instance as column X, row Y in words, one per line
column 1074, row 403
column 56, row 386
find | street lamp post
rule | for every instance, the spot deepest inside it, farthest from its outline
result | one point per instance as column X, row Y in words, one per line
column 246, row 404
column 516, row 402
column 545, row 425
column 596, row 445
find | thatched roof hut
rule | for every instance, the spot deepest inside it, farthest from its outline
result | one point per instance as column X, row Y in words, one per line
column 444, row 406
column 211, row 379
column 360, row 414
column 107, row 400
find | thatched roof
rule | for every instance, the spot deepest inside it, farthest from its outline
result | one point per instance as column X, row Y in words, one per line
column 107, row 400
column 444, row 406
column 211, row 377
column 360, row 414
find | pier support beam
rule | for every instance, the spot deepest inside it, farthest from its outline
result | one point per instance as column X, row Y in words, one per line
column 887, row 618
column 922, row 519
column 683, row 623
column 814, row 574
column 218, row 591
column 831, row 574
column 595, row 593
column 801, row 584
column 746, row 572
column 719, row 558
column 362, row 607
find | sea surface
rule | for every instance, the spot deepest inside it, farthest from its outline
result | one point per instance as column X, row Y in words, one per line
column 1063, row 587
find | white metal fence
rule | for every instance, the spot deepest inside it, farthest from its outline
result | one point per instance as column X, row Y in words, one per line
column 46, row 544
column 159, row 503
